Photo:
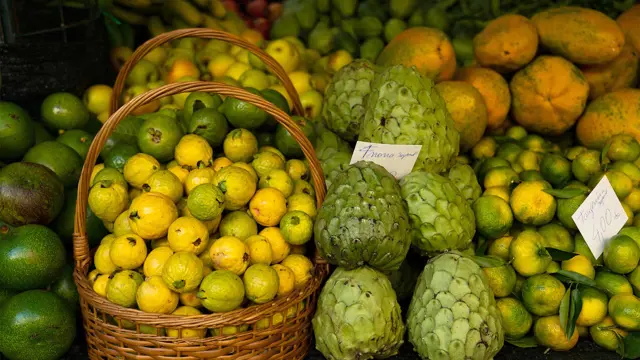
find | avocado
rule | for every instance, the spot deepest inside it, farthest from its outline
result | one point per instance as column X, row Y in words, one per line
column 63, row 224
column 29, row 194
column 41, row 133
column 6, row 294
column 17, row 134
column 287, row 144
column 31, row 257
column 36, row 324
column 58, row 157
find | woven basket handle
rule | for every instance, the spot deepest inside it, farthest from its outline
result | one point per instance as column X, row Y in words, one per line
column 81, row 251
column 164, row 38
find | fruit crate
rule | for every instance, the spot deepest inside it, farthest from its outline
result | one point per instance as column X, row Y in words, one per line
column 45, row 47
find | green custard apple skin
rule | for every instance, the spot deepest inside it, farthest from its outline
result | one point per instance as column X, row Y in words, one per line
column 345, row 99
column 464, row 178
column 363, row 220
column 333, row 153
column 358, row 316
column 405, row 108
column 453, row 313
column 440, row 216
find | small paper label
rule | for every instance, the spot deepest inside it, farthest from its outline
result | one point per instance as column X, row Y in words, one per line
column 600, row 217
column 397, row 159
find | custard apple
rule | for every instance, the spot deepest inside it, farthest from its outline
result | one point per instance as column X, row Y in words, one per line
column 345, row 98
column 441, row 218
column 363, row 220
column 464, row 178
column 404, row 108
column 333, row 153
column 453, row 314
column 358, row 316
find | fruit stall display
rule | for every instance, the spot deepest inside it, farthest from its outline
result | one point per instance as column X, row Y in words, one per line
column 204, row 204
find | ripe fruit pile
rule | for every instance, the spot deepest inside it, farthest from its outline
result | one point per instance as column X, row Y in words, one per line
column 193, row 233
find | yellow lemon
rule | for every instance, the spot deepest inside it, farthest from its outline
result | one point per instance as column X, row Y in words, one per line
column 249, row 168
column 268, row 206
column 296, row 227
column 100, row 285
column 108, row 199
column 193, row 151
column 297, row 169
column 237, row 185
column 123, row 286
column 190, row 299
column 183, row 272
column 187, row 333
column 139, row 168
column 238, row 224
column 302, row 202
column 549, row 333
column 259, row 250
column 229, row 253
column 286, row 279
column 301, row 267
column 153, row 296
column 261, row 283
column 128, row 251
column 164, row 182
column 581, row 265
column 220, row 163
column 594, row 307
column 280, row 249
column 240, row 145
column 528, row 254
column 221, row 291
column 102, row 260
column 516, row 320
column 121, row 224
column 278, row 179
column 151, row 214
column 188, row 234
column 198, row 177
column 155, row 261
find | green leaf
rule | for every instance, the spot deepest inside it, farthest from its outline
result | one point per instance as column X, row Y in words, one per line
column 574, row 311
column 630, row 347
column 482, row 248
column 489, row 261
column 566, row 193
column 564, row 310
column 525, row 342
column 571, row 277
column 559, row 255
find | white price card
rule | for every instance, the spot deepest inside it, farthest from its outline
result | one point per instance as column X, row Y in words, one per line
column 600, row 216
column 397, row 159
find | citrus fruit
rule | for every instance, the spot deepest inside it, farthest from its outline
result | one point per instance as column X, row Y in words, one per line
column 302, row 202
column 151, row 214
column 261, row 283
column 259, row 250
column 529, row 160
column 530, row 175
column 123, row 286
column 301, row 267
column 624, row 309
column 280, row 249
column 238, row 224
column 628, row 168
column 556, row 170
column 621, row 254
column 622, row 147
column 542, row 294
column 581, row 265
column 164, row 182
column 154, row 263
column 153, row 296
column 501, row 177
column 187, row 333
column 240, row 145
column 528, row 254
column 567, row 207
column 266, row 161
column 516, row 320
column 268, row 206
column 206, row 202
column 159, row 135
column 553, row 267
column 182, row 272
column 139, row 168
column 128, row 251
column 63, row 111
column 503, row 193
column 229, row 253
column 296, row 227
column 531, row 205
column 594, row 307
column 612, row 283
column 485, row 149
column 500, row 247
column 209, row 124
column 494, row 90
column 193, row 151
column 634, row 279
column 580, row 247
column 108, row 200
column 198, row 177
column 286, row 279
column 287, row 144
column 606, row 334
column 620, row 182
column 549, row 333
column 221, row 291
column 502, row 279
column 493, row 216
column 242, row 114
column 188, row 234
column 557, row 237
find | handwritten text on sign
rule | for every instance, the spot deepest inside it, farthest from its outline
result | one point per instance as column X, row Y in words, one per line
column 600, row 216
column 397, row 159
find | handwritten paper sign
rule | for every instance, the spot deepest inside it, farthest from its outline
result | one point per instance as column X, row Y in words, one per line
column 397, row 159
column 600, row 216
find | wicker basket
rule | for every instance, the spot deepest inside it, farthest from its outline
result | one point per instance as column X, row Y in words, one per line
column 113, row 332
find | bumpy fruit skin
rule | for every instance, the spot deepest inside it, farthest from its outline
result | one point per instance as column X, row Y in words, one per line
column 333, row 153
column 453, row 314
column 345, row 99
column 464, row 178
column 358, row 316
column 404, row 108
column 363, row 220
column 441, row 218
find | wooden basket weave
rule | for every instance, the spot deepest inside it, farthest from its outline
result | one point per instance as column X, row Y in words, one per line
column 113, row 332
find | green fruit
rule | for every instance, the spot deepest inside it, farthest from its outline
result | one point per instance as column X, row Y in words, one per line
column 345, row 99
column 125, row 133
column 210, row 124
column 346, row 8
column 65, row 287
column 488, row 164
column 464, row 178
column 361, row 306
column 36, row 324
column 159, row 136
column 436, row 17
column 441, row 218
column 31, row 257
column 64, row 111
column 372, row 8
column 17, row 132
column 266, row 139
column 393, row 27
column 374, row 231
column 285, row 25
column 307, row 15
column 586, row 165
column 199, row 100
column 567, row 207
column 118, row 156
column 218, row 291
column 41, row 133
column 557, row 237
column 6, row 294
column 371, row 48
column 287, row 144
column 454, row 287
column 321, row 38
column 205, row 202
column 278, row 100
column 333, row 153
column 123, row 286
column 556, row 170
column 59, row 158
column 349, row 43
column 242, row 114
column 402, row 8
column 78, row 140
column 63, row 224
column 404, row 108
column 369, row 26
column 29, row 194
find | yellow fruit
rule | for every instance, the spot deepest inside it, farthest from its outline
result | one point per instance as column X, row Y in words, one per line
column 303, row 187
column 548, row 332
column 528, row 254
column 221, row 291
column 187, row 333
column 198, row 177
column 500, row 247
column 606, row 334
column 219, row 65
column 139, row 168
column 268, row 206
column 179, row 171
column 531, row 204
column 121, row 224
column 259, row 250
column 155, row 261
column 151, row 214
column 153, row 296
column 220, row 163
column 301, row 267
column 229, row 330
column 123, row 286
column 301, row 81
column 183, row 272
column 108, row 199
column 624, row 309
column 240, row 145
column 100, row 285
column 302, row 202
column 278, row 179
column 621, row 254
column 286, row 279
column 542, row 294
column 102, row 260
column 95, row 171
column 237, row 185
column 97, row 98
column 128, row 251
column 190, row 299
column 188, row 234
column 271, row 149
column 296, row 227
column 164, row 182
column 261, row 283
column 229, row 253
column 93, row 275
column 238, row 224
column 297, row 169
column 193, row 151
column 266, row 161
column 247, row 167
column 516, row 320
column 279, row 247
column 581, row 265
column 594, row 307
column 502, row 279
column 235, row 70
column 285, row 54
